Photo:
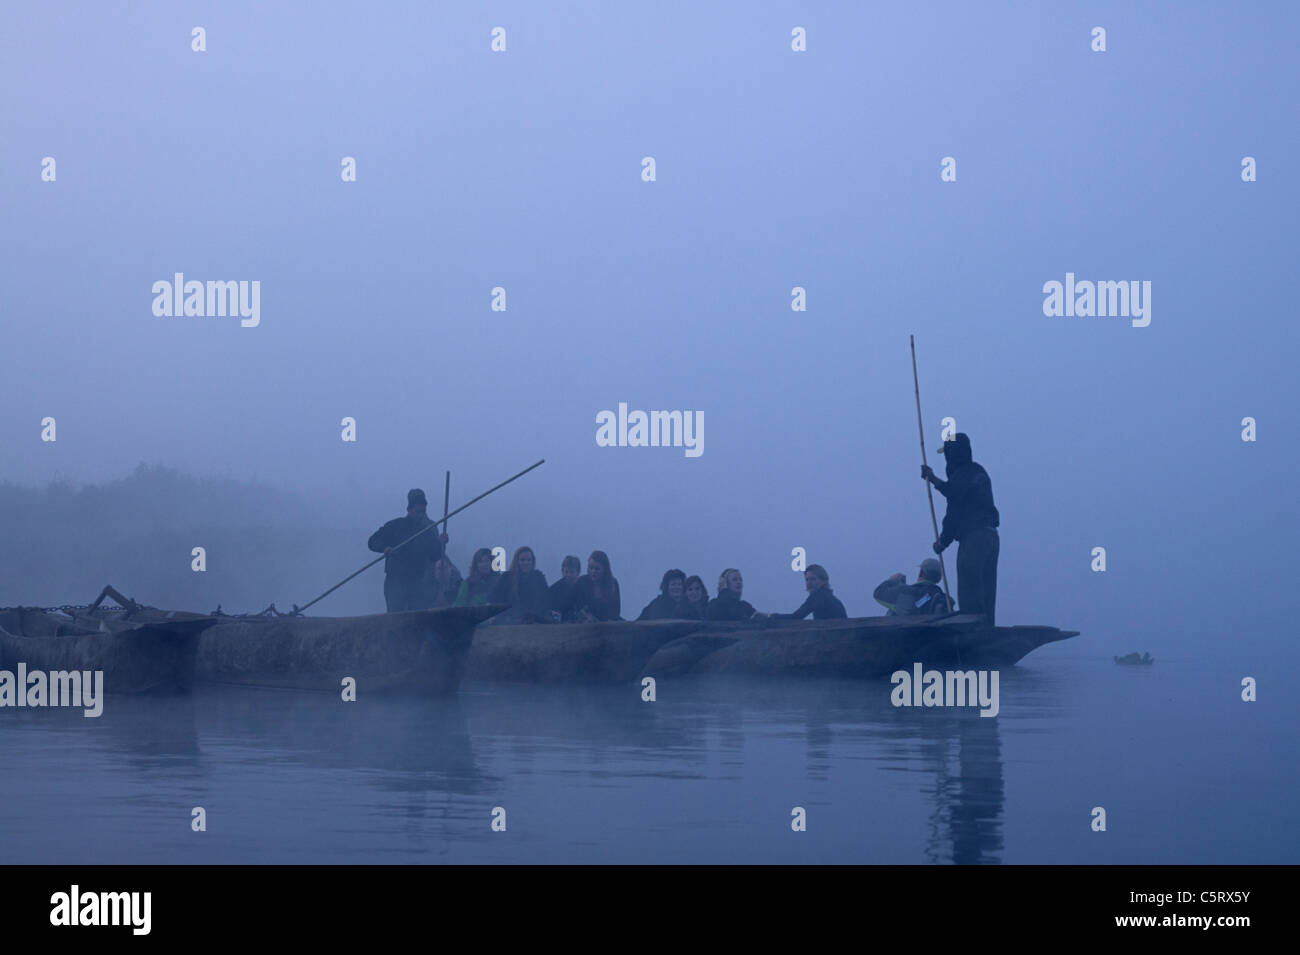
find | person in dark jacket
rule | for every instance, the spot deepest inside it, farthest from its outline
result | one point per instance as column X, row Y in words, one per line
column 821, row 602
column 523, row 586
column 596, row 595
column 562, row 589
column 444, row 581
column 696, row 604
column 727, row 605
column 475, row 588
column 971, row 520
column 405, row 568
column 925, row 596
column 669, row 604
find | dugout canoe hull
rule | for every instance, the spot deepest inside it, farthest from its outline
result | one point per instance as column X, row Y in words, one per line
column 864, row 648
column 606, row 652
column 861, row 647
column 423, row 652
column 158, row 656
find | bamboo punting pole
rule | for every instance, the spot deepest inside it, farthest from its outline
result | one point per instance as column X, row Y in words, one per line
column 929, row 492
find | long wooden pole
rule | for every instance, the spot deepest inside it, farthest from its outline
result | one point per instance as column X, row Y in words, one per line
column 443, row 522
column 446, row 500
column 929, row 492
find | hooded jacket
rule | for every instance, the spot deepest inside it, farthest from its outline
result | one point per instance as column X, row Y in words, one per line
column 969, row 492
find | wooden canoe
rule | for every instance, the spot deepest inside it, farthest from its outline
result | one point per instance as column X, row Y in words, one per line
column 146, row 656
column 422, row 651
column 144, row 648
column 863, row 647
column 860, row 647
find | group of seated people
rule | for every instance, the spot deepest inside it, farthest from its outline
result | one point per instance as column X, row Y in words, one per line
column 595, row 595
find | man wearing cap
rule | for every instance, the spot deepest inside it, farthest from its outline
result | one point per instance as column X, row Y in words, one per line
column 405, row 569
column 972, row 521
column 923, row 597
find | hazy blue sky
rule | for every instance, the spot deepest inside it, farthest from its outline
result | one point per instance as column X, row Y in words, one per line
column 775, row 169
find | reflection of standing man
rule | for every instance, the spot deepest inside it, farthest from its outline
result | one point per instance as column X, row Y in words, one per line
column 972, row 520
column 405, row 567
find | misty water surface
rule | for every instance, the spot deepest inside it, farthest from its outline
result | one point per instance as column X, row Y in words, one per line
column 708, row 773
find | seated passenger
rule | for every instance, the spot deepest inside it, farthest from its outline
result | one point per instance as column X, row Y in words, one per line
column 925, row 596
column 669, row 604
column 562, row 589
column 475, row 588
column 523, row 586
column 821, row 602
column 727, row 605
column 596, row 595
column 696, row 603
column 443, row 583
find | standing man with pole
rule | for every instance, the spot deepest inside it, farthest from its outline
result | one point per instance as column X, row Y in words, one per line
column 947, row 595
column 405, row 567
column 416, row 496
column 972, row 520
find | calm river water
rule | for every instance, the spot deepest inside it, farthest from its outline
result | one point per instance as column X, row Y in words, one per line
column 710, row 772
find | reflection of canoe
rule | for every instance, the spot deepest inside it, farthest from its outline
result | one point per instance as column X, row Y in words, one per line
column 861, row 647
column 422, row 651
column 141, row 656
column 421, row 743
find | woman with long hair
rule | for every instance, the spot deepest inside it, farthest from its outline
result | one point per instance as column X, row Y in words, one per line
column 696, row 602
column 596, row 595
column 442, row 583
column 523, row 586
column 477, row 585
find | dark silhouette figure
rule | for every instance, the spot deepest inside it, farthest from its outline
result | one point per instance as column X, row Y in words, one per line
column 972, row 520
column 406, row 569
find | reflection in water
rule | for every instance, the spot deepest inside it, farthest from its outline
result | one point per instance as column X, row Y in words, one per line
column 406, row 739
column 707, row 773
column 965, row 826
